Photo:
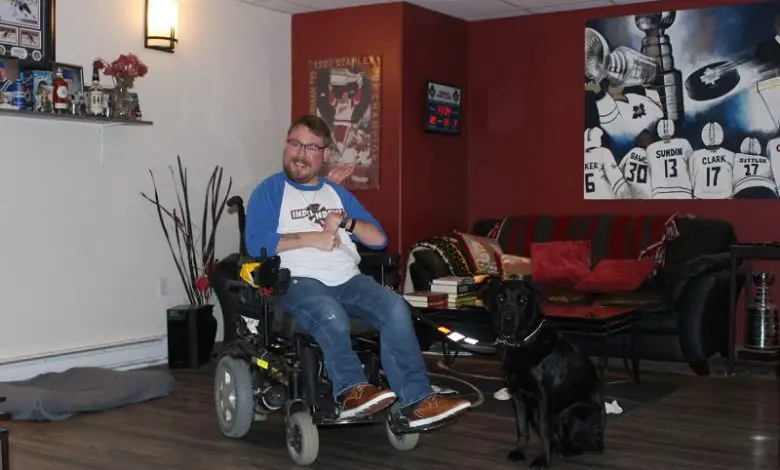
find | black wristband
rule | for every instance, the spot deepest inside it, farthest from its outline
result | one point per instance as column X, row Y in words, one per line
column 352, row 223
column 343, row 223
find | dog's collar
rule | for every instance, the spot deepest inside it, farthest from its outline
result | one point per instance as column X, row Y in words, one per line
column 528, row 337
column 535, row 332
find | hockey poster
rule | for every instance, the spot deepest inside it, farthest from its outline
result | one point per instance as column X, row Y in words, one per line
column 346, row 93
column 27, row 31
column 683, row 104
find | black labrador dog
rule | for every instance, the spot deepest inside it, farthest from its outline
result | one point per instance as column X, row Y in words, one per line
column 554, row 387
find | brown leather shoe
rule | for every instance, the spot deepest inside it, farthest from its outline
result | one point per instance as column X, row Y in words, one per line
column 436, row 408
column 365, row 399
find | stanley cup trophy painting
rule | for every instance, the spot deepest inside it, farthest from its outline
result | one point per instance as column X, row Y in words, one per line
column 683, row 104
column 346, row 93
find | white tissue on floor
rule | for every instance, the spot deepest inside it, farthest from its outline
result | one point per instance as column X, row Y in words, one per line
column 613, row 408
column 502, row 394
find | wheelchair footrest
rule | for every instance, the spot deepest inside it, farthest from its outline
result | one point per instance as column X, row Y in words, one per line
column 401, row 429
column 324, row 418
column 399, row 424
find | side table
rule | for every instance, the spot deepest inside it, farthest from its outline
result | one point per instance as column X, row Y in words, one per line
column 747, row 253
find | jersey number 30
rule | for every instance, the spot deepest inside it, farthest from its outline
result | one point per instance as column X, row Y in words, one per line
column 636, row 173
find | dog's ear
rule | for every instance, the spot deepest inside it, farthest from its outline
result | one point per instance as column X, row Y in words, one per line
column 487, row 292
column 538, row 299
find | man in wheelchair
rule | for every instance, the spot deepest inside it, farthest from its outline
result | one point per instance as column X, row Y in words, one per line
column 312, row 225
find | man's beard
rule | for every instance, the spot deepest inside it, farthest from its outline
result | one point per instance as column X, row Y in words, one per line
column 301, row 175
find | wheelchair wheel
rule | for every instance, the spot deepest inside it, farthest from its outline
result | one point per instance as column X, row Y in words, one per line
column 402, row 442
column 233, row 397
column 303, row 439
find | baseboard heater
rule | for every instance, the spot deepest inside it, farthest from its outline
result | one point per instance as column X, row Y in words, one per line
column 123, row 355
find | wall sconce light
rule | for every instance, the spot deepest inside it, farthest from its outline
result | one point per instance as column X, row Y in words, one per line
column 162, row 21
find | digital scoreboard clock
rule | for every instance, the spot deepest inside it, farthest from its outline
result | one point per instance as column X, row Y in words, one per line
column 443, row 108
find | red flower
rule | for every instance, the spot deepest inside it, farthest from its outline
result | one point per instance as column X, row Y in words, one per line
column 126, row 66
column 202, row 284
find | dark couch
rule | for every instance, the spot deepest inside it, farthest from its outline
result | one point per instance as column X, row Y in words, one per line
column 689, row 293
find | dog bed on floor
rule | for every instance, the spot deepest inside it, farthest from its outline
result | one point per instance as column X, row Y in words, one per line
column 62, row 395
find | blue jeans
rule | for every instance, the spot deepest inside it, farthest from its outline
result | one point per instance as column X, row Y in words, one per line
column 321, row 311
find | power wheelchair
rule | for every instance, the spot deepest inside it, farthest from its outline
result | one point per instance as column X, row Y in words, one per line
column 269, row 364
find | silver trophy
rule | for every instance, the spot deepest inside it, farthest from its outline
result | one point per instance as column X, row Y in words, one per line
column 762, row 316
column 622, row 67
column 657, row 46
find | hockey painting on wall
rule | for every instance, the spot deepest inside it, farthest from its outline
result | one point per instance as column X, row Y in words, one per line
column 684, row 104
column 346, row 93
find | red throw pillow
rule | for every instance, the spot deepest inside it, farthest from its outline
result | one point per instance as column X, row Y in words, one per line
column 560, row 263
column 617, row 275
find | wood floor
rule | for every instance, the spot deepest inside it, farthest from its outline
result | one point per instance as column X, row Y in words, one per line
column 710, row 423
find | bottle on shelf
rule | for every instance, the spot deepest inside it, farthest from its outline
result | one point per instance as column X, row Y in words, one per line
column 60, row 93
column 95, row 95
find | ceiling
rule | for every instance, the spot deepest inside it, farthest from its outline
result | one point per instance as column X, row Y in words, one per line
column 471, row 10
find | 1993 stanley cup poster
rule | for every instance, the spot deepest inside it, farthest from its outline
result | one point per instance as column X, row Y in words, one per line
column 683, row 104
column 346, row 93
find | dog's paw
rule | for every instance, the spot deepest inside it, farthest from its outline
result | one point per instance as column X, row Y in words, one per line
column 516, row 456
column 540, row 462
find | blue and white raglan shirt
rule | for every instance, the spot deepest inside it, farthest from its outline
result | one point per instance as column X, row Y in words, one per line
column 279, row 206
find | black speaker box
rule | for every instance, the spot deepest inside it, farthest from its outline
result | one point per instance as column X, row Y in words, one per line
column 191, row 334
column 5, row 452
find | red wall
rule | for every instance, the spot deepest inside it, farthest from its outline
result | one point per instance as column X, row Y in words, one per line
column 433, row 177
column 525, row 132
column 353, row 32
column 422, row 179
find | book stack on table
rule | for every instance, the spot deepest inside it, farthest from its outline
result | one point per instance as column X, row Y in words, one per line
column 426, row 299
column 459, row 290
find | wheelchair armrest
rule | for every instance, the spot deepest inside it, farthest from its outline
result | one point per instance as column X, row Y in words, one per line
column 378, row 259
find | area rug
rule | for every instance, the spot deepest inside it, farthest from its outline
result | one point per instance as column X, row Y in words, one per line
column 466, row 375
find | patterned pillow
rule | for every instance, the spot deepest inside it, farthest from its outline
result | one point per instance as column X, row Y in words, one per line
column 483, row 254
column 516, row 266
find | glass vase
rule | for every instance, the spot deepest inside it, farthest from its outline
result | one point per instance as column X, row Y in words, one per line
column 122, row 106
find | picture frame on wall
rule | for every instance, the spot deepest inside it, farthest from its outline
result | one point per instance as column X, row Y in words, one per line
column 347, row 93
column 27, row 32
column 73, row 74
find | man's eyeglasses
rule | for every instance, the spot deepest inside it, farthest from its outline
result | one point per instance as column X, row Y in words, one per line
column 307, row 149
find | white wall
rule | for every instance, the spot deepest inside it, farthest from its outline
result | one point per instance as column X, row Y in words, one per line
column 82, row 252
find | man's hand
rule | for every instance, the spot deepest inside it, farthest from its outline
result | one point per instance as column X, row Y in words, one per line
column 332, row 221
column 338, row 173
column 327, row 240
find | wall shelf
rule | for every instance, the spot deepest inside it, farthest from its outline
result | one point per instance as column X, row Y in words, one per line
column 72, row 118
column 100, row 121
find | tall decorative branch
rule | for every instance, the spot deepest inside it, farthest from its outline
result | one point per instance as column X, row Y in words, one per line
column 194, row 258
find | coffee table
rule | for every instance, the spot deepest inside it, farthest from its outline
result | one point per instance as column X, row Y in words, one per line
column 471, row 320
column 584, row 321
column 599, row 322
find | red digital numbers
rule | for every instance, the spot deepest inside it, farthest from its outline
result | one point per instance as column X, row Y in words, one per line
column 445, row 110
column 445, row 114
